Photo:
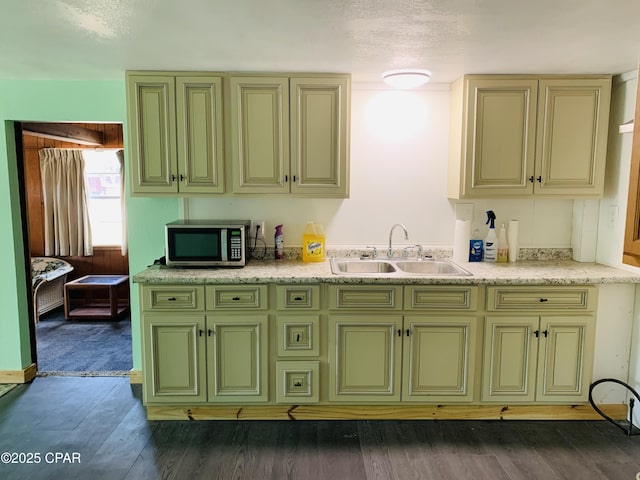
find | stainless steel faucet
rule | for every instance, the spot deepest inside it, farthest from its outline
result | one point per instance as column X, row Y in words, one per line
column 406, row 237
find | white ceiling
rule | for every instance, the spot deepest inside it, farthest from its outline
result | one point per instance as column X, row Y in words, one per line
column 90, row 39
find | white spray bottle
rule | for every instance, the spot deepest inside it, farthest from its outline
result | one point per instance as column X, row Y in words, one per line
column 491, row 242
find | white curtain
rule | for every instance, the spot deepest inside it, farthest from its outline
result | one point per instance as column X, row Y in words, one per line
column 67, row 231
column 120, row 154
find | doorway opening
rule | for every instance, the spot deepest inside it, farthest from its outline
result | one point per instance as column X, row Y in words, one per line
column 88, row 345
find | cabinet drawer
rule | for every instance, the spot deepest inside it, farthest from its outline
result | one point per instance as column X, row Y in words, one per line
column 541, row 298
column 373, row 296
column 441, row 298
column 298, row 335
column 172, row 297
column 245, row 297
column 306, row 297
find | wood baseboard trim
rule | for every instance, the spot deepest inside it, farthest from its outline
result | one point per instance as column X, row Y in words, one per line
column 386, row 412
column 19, row 376
column 135, row 377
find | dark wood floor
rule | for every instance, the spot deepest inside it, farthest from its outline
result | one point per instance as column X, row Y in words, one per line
column 102, row 421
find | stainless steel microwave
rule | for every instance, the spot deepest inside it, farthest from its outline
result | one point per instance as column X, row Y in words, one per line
column 207, row 243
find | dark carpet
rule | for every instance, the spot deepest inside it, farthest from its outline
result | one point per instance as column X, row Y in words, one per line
column 89, row 347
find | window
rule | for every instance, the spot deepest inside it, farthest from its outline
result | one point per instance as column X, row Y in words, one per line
column 103, row 178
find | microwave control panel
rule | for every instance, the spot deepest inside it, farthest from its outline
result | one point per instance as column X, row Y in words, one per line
column 235, row 244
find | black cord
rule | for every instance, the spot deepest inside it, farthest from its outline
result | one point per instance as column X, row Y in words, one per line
column 629, row 429
column 255, row 246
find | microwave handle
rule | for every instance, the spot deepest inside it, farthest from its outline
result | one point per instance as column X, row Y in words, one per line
column 223, row 245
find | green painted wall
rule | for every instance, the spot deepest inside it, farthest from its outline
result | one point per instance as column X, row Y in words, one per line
column 55, row 101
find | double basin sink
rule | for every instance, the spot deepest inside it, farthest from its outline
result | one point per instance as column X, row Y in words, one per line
column 396, row 267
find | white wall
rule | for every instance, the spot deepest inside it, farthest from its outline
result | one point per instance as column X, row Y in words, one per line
column 399, row 156
column 611, row 225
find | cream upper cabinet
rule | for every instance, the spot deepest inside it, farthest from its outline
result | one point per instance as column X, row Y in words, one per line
column 517, row 136
column 320, row 135
column 260, row 134
column 573, row 125
column 175, row 133
column 290, row 134
column 152, row 133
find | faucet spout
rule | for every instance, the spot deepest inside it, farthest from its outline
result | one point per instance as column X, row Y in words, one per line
column 406, row 237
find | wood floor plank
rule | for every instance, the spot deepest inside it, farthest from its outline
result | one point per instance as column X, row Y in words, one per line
column 116, row 441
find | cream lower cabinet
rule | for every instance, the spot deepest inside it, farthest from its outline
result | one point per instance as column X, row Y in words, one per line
column 365, row 357
column 217, row 355
column 174, row 358
column 237, row 359
column 439, row 358
column 421, row 351
column 538, row 358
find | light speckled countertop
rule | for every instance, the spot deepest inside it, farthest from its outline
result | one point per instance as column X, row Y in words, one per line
column 552, row 272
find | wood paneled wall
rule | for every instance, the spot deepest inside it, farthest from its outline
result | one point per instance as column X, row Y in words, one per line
column 105, row 260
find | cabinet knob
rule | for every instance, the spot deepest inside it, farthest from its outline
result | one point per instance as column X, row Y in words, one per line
column 173, row 177
column 408, row 332
column 531, row 178
column 539, row 179
column 399, row 332
column 182, row 178
column 536, row 333
column 200, row 332
column 546, row 333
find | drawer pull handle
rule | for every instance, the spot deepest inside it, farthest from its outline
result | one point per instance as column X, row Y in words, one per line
column 209, row 332
column 235, row 299
column 200, row 332
column 297, row 384
column 297, row 299
column 408, row 332
column 537, row 333
column 543, row 300
column 297, row 337
column 546, row 333
column 399, row 332
column 531, row 179
column 171, row 299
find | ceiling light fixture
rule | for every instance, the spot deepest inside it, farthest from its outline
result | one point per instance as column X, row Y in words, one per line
column 406, row 78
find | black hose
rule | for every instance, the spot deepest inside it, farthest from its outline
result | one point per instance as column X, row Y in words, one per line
column 629, row 429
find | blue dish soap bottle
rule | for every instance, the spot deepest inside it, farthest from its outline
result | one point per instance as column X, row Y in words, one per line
column 476, row 247
column 279, row 243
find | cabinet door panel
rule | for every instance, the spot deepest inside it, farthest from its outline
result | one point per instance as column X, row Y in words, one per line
column 501, row 124
column 365, row 358
column 573, row 119
column 174, row 358
column 237, row 366
column 439, row 358
column 199, row 134
column 319, row 132
column 565, row 358
column 152, row 133
column 260, row 134
column 510, row 359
